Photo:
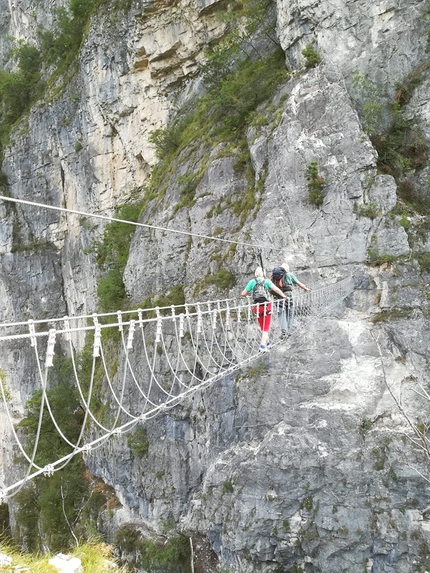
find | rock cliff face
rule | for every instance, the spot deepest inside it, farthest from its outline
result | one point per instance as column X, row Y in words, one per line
column 300, row 464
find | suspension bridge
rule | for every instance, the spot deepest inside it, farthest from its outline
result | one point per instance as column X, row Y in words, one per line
column 166, row 355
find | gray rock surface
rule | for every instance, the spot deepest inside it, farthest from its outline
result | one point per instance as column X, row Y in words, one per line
column 300, row 460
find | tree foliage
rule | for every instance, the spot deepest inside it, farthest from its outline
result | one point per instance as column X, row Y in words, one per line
column 315, row 184
column 247, row 24
column 47, row 506
column 312, row 57
column 65, row 40
column 112, row 255
column 56, row 511
column 20, row 88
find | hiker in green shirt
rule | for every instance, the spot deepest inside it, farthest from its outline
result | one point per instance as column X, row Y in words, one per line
column 285, row 280
column 263, row 308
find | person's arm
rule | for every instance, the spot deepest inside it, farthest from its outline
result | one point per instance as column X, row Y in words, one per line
column 248, row 288
column 295, row 281
column 278, row 291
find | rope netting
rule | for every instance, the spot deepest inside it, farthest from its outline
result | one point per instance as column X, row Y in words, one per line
column 138, row 363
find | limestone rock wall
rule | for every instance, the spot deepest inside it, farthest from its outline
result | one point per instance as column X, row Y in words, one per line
column 299, row 462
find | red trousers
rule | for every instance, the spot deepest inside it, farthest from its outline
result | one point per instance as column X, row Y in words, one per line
column 264, row 315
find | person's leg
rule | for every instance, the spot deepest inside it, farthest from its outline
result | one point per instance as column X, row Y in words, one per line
column 282, row 317
column 256, row 311
column 265, row 327
column 259, row 312
column 260, row 319
column 290, row 314
column 261, row 323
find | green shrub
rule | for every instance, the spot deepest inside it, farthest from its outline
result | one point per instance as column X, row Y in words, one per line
column 138, row 442
column 127, row 538
column 18, row 90
column 312, row 58
column 228, row 486
column 175, row 296
column 112, row 255
column 242, row 91
column 48, row 506
column 223, row 279
column 315, row 184
column 370, row 210
column 401, row 145
column 63, row 44
column 406, row 86
column 111, row 290
column 166, row 141
column 308, row 503
column 365, row 426
column 64, row 402
column 370, row 104
column 405, row 222
column 390, row 315
column 219, row 63
column 418, row 199
column 246, row 21
column 187, row 193
column 377, row 259
column 424, row 262
column 166, row 555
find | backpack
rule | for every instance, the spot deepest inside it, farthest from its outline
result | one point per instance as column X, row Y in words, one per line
column 278, row 279
column 259, row 293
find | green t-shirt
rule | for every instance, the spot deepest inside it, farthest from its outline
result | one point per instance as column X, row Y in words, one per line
column 250, row 286
column 290, row 279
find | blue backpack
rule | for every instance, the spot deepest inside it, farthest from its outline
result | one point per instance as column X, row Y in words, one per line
column 278, row 279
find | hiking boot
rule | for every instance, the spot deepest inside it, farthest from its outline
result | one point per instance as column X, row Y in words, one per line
column 284, row 334
column 263, row 349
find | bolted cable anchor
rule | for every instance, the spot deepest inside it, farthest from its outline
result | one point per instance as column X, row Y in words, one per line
column 199, row 319
column 48, row 470
column 120, row 324
column 227, row 317
column 97, row 337
column 67, row 334
column 131, row 334
column 50, row 349
column 32, row 333
column 159, row 325
column 181, row 325
column 214, row 318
